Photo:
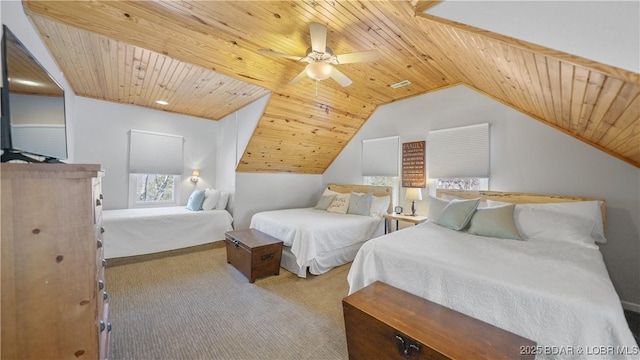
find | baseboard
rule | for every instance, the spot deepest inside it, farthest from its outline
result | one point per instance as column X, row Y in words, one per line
column 631, row 306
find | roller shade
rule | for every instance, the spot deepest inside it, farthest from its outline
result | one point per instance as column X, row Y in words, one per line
column 380, row 156
column 154, row 153
column 461, row 152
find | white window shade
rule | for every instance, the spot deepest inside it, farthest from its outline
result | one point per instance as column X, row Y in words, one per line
column 380, row 156
column 154, row 153
column 461, row 152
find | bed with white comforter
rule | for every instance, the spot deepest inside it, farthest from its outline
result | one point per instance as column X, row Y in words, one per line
column 130, row 232
column 556, row 293
column 319, row 240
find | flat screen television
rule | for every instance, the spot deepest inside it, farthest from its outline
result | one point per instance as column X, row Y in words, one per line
column 33, row 113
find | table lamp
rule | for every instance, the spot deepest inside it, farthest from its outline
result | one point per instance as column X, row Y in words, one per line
column 413, row 194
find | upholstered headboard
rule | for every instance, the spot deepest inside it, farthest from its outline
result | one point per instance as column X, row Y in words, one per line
column 359, row 188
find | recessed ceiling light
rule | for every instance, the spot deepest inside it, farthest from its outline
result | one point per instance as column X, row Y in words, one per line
column 401, row 84
column 162, row 102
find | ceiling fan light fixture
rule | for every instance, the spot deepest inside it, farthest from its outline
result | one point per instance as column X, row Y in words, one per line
column 319, row 70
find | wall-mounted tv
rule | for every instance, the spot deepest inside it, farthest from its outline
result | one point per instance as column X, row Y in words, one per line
column 33, row 114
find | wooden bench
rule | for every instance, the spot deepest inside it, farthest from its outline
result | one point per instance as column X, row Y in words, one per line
column 253, row 252
column 383, row 322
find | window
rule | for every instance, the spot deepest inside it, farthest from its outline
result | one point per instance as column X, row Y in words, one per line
column 458, row 158
column 154, row 188
column 393, row 181
column 155, row 169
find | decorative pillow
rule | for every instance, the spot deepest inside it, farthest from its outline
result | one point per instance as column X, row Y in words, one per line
column 324, row 202
column 589, row 210
column 222, row 202
column 538, row 224
column 495, row 222
column 340, row 204
column 360, row 204
column 380, row 205
column 211, row 197
column 457, row 213
column 195, row 200
column 436, row 206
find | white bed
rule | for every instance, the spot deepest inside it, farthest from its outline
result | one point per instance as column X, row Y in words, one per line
column 556, row 293
column 317, row 240
column 130, row 232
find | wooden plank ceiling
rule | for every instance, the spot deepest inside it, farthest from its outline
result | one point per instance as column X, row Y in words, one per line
column 202, row 57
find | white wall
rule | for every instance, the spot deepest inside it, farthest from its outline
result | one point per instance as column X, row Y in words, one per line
column 526, row 156
column 102, row 137
column 604, row 31
column 257, row 192
column 14, row 17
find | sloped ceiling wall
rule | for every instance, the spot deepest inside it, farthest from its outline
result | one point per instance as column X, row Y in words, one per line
column 304, row 128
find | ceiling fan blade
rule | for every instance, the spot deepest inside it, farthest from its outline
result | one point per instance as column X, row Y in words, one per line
column 300, row 76
column 340, row 78
column 318, row 37
column 282, row 55
column 361, row 56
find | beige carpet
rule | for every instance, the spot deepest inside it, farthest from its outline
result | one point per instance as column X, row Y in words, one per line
column 196, row 306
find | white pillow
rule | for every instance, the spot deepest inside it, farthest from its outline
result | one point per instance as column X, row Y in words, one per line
column 222, row 202
column 536, row 224
column 211, row 197
column 589, row 210
column 436, row 205
column 340, row 204
column 380, row 205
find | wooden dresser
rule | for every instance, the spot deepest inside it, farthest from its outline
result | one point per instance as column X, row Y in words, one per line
column 384, row 322
column 54, row 301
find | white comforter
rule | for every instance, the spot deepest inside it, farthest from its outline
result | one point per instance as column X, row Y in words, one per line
column 130, row 232
column 312, row 232
column 555, row 293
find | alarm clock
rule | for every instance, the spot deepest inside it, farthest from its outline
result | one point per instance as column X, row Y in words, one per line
column 398, row 209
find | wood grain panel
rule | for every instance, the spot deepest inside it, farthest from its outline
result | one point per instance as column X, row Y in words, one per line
column 202, row 57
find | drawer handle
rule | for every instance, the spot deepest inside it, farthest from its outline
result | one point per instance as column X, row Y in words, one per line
column 102, row 326
column 98, row 202
column 105, row 296
column 235, row 242
column 108, row 327
column 266, row 257
column 99, row 244
column 100, row 284
column 101, row 197
column 104, row 263
column 101, row 230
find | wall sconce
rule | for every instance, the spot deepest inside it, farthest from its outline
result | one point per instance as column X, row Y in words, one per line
column 413, row 194
column 194, row 177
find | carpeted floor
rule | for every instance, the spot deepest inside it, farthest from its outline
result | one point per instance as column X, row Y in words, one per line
column 196, row 306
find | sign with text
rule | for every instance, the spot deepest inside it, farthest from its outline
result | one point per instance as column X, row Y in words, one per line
column 413, row 174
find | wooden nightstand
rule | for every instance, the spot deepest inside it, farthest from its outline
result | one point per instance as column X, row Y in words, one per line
column 401, row 217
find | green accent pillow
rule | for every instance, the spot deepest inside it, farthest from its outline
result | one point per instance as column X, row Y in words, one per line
column 496, row 222
column 195, row 200
column 360, row 204
column 457, row 214
column 324, row 202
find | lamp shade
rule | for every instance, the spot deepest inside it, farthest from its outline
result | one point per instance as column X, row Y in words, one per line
column 413, row 194
column 195, row 173
column 319, row 70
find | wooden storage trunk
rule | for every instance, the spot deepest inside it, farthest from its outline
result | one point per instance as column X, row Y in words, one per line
column 383, row 322
column 254, row 253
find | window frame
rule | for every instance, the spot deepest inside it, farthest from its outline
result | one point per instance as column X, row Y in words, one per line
column 132, row 193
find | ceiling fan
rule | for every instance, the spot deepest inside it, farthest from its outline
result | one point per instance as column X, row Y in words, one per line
column 321, row 58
